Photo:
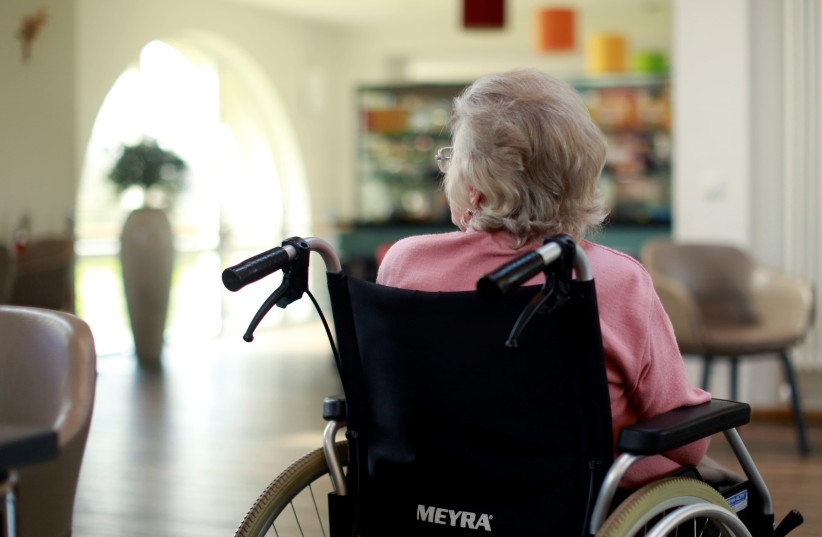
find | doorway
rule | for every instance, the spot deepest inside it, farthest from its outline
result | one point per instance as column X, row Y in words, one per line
column 216, row 113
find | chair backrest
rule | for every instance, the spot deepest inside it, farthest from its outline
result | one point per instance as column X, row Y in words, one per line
column 47, row 379
column 8, row 271
column 452, row 431
column 718, row 277
column 44, row 275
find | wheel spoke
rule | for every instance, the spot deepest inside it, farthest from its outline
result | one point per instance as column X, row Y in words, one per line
column 317, row 510
column 296, row 519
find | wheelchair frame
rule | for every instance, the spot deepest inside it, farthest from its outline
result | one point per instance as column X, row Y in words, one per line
column 658, row 435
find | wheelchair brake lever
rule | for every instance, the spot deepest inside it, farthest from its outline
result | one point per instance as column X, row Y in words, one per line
column 522, row 321
column 269, row 303
column 294, row 284
column 556, row 288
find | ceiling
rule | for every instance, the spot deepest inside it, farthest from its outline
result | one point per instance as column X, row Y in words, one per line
column 356, row 12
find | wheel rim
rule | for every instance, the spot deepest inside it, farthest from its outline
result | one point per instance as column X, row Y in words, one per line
column 295, row 502
column 652, row 503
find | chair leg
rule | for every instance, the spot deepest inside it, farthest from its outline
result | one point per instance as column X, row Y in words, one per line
column 734, row 378
column 9, row 495
column 707, row 360
column 798, row 418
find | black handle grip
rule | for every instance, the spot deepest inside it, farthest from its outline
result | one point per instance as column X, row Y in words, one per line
column 255, row 268
column 492, row 287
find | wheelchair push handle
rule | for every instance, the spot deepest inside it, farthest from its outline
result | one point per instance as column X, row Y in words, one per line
column 292, row 258
column 261, row 265
column 257, row 267
column 492, row 287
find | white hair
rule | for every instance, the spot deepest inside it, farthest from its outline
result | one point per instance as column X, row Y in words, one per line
column 526, row 142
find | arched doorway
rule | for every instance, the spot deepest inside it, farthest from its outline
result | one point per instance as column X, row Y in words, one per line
column 197, row 97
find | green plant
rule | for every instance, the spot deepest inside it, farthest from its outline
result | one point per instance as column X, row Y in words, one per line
column 149, row 166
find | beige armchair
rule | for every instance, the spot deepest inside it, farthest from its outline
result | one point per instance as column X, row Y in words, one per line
column 724, row 305
column 47, row 381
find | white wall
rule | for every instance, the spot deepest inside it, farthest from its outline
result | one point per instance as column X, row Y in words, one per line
column 767, row 132
column 712, row 128
column 37, row 119
column 728, row 134
column 48, row 106
column 727, row 83
column 292, row 54
column 439, row 49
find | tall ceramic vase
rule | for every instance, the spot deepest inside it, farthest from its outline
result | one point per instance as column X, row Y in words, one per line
column 147, row 256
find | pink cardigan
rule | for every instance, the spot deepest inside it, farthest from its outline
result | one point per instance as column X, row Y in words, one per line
column 646, row 374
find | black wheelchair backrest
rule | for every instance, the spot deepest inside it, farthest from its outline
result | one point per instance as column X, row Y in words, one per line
column 452, row 431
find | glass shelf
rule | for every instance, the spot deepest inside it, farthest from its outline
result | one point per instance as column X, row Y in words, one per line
column 402, row 126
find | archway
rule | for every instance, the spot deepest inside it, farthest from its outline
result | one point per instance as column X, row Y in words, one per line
column 201, row 98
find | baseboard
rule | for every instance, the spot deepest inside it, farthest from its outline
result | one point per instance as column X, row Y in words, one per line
column 784, row 415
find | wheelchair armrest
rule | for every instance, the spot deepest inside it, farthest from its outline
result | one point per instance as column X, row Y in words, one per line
column 21, row 445
column 682, row 426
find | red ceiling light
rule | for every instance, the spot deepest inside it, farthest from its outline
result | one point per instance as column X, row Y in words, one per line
column 483, row 13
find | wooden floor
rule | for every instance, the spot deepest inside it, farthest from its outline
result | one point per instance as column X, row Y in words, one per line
column 795, row 482
column 185, row 451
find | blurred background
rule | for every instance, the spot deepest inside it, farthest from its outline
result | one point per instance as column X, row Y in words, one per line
column 321, row 118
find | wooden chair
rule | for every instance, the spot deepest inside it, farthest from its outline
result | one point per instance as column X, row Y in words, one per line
column 45, row 275
column 47, row 383
column 724, row 305
column 8, row 272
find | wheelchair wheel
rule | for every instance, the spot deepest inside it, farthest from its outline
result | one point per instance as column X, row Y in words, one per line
column 296, row 502
column 675, row 506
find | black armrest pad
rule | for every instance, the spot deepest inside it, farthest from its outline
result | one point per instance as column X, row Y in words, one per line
column 682, row 426
column 21, row 445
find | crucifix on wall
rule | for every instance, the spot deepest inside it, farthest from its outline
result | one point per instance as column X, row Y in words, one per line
column 30, row 27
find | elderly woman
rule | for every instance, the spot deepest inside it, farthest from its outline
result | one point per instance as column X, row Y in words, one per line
column 525, row 165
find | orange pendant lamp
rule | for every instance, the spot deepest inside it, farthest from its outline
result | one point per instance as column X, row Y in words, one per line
column 556, row 30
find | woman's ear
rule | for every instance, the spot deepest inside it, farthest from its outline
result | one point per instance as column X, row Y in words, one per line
column 475, row 197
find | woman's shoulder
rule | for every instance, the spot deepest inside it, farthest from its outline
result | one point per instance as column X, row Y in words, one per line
column 626, row 299
column 612, row 266
column 444, row 262
column 411, row 260
column 424, row 244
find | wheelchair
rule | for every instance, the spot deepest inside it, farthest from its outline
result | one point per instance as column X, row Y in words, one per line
column 487, row 411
